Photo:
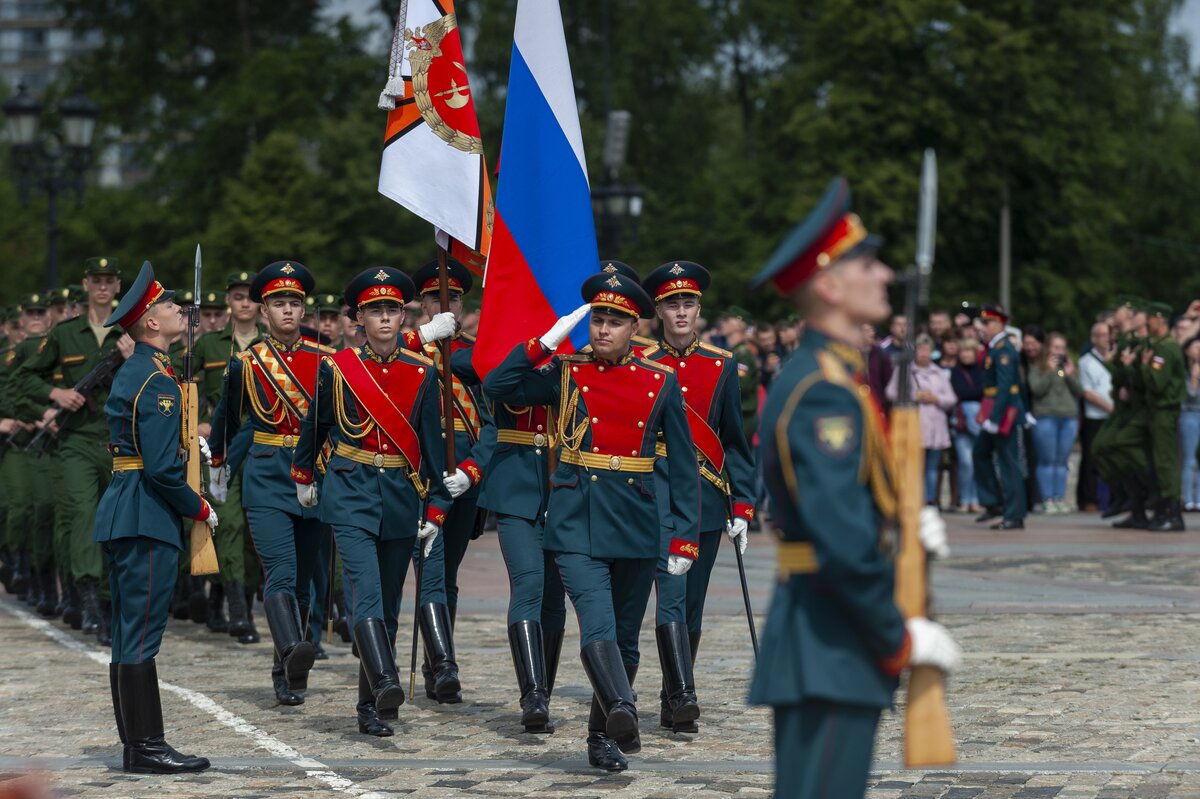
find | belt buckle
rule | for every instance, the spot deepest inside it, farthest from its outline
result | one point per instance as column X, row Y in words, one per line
column 539, row 440
column 614, row 463
column 378, row 459
column 289, row 441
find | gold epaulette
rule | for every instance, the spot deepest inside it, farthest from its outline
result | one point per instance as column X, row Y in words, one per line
column 833, row 368
column 713, row 348
column 243, row 356
column 662, row 367
column 419, row 357
column 652, row 349
column 577, row 357
column 642, row 341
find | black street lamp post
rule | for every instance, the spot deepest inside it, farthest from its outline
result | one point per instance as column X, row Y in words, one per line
column 49, row 161
column 614, row 203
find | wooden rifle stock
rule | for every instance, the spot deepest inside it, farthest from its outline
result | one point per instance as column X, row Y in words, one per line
column 203, row 553
column 928, row 738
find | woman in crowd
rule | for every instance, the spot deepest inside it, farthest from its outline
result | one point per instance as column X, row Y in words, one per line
column 1189, row 427
column 1054, row 386
column 967, row 381
column 949, row 352
column 931, row 389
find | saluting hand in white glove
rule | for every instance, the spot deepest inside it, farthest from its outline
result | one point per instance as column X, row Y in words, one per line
column 563, row 327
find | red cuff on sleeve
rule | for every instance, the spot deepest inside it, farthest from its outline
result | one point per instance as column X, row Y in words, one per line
column 302, row 476
column 472, row 470
column 216, row 460
column 535, row 352
column 895, row 663
column 743, row 510
column 435, row 515
column 685, row 548
column 204, row 511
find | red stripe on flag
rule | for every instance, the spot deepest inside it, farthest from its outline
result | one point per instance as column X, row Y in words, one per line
column 514, row 307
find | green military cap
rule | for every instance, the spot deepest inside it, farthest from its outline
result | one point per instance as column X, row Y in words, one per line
column 76, row 294
column 36, row 299
column 60, row 296
column 101, row 265
column 238, row 279
column 211, row 299
column 329, row 303
column 737, row 312
column 1157, row 309
column 184, row 296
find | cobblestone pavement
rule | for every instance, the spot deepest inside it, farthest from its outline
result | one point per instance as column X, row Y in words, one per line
column 1080, row 680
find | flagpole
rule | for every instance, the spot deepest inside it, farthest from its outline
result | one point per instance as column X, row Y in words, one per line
column 447, row 376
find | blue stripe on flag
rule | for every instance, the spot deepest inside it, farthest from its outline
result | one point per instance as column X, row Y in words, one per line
column 544, row 196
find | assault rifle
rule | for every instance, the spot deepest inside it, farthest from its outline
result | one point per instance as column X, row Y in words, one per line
column 100, row 377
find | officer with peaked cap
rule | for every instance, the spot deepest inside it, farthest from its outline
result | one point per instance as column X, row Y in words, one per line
column 138, row 521
column 603, row 522
column 708, row 377
column 439, row 575
column 834, row 642
column 1002, row 417
column 380, row 410
column 270, row 387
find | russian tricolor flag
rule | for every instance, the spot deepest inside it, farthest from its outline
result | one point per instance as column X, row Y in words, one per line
column 544, row 237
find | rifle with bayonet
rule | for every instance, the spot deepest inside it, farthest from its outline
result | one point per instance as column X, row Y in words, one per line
column 203, row 553
column 100, row 377
column 928, row 738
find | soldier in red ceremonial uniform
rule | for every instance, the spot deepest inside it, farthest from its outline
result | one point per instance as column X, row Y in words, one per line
column 708, row 377
column 382, row 490
column 270, row 385
column 602, row 523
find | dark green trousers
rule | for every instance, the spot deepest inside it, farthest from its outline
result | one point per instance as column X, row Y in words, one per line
column 1163, row 430
column 823, row 750
column 86, row 471
column 230, row 537
column 998, row 473
column 141, row 579
column 609, row 597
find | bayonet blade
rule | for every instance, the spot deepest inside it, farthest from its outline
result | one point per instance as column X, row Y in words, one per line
column 196, row 288
column 927, row 214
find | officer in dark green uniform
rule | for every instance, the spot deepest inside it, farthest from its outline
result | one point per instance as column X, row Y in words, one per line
column 1126, row 452
column 72, row 349
column 1102, row 451
column 603, row 522
column 240, row 571
column 709, row 379
column 382, row 492
column 8, row 425
column 271, row 385
column 997, row 452
column 15, row 470
column 834, row 641
column 1165, row 377
column 138, row 521
column 439, row 575
column 31, row 505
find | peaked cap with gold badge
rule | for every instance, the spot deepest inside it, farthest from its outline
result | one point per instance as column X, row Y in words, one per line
column 830, row 231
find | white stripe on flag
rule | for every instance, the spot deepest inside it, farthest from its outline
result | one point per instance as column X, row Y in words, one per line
column 540, row 39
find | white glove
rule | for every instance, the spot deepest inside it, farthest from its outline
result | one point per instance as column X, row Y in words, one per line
column 218, row 483
column 563, row 327
column 428, row 532
column 737, row 530
column 307, row 495
column 457, row 484
column 678, row 564
column 990, row 427
column 211, row 520
column 931, row 528
column 1030, row 420
column 441, row 326
column 932, row 645
column 205, row 452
